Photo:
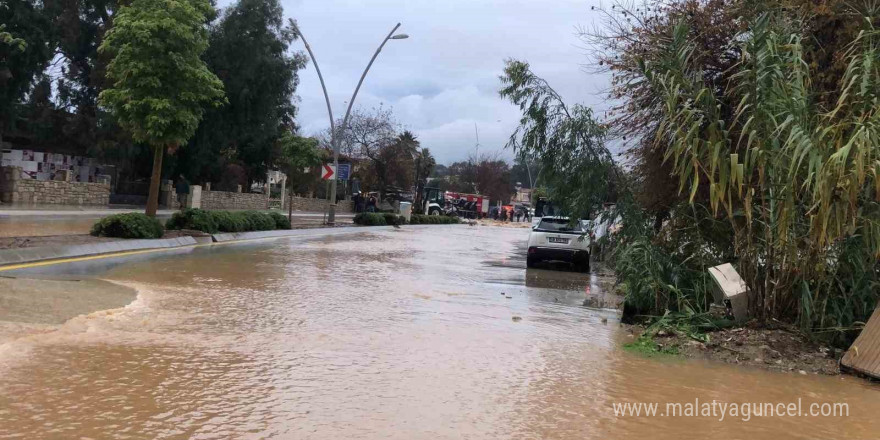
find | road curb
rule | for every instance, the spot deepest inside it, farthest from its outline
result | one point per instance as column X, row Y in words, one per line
column 34, row 254
column 20, row 257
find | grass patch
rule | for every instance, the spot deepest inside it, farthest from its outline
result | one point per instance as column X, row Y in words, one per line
column 646, row 346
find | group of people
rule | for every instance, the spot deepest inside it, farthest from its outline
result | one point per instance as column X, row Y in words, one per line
column 364, row 203
column 511, row 215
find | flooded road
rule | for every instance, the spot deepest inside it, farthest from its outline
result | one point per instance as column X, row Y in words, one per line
column 404, row 334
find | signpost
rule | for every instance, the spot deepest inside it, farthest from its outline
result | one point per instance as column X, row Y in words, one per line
column 328, row 172
column 332, row 172
column 344, row 171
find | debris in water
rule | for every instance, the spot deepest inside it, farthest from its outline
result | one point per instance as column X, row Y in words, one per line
column 517, row 319
column 604, row 320
column 508, row 297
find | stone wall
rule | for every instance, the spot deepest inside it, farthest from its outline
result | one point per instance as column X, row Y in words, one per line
column 227, row 200
column 18, row 190
column 318, row 205
column 233, row 200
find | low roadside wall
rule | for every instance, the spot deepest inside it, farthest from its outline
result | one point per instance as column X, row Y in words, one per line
column 318, row 205
column 207, row 199
column 217, row 200
column 15, row 189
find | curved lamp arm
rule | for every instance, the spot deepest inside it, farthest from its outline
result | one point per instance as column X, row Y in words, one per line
column 364, row 75
column 320, row 77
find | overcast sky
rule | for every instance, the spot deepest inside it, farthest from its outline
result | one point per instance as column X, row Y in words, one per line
column 444, row 78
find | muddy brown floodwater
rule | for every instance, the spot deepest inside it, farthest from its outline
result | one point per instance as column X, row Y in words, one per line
column 400, row 334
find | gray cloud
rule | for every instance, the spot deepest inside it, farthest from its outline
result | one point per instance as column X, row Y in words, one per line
column 444, row 78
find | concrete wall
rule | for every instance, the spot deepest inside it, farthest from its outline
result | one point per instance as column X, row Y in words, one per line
column 15, row 189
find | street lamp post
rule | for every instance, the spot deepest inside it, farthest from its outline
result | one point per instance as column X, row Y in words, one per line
column 334, row 136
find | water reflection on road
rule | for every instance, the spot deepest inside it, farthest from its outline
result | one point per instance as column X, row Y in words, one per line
column 405, row 334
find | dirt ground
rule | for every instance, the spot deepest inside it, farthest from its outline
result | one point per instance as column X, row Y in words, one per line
column 514, row 224
column 776, row 347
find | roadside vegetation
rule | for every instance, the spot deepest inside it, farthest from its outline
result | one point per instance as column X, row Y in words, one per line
column 385, row 219
column 213, row 222
column 750, row 132
column 421, row 219
column 128, row 225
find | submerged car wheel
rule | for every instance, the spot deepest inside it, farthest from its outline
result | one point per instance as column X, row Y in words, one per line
column 531, row 261
column 582, row 263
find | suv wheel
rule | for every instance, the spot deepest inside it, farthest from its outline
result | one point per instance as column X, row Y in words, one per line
column 585, row 263
column 531, row 261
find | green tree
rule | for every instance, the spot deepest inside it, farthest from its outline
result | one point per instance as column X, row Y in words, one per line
column 492, row 179
column 525, row 170
column 15, row 44
column 424, row 167
column 576, row 165
column 297, row 154
column 160, row 84
column 25, row 51
column 249, row 52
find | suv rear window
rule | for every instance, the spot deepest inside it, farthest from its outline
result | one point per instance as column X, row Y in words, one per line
column 559, row 225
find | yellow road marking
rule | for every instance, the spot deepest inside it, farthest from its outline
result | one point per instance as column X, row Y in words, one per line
column 83, row 258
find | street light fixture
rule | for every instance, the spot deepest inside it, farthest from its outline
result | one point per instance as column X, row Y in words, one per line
column 334, row 138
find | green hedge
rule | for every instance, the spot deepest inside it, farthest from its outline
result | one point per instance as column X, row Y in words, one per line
column 195, row 219
column 370, row 219
column 129, row 225
column 227, row 221
column 394, row 219
column 281, row 220
column 382, row 219
column 421, row 219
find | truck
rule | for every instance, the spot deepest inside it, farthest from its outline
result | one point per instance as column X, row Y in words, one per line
column 437, row 202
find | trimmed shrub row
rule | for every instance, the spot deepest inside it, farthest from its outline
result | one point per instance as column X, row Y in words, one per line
column 227, row 221
column 370, row 219
column 383, row 219
column 421, row 219
column 128, row 225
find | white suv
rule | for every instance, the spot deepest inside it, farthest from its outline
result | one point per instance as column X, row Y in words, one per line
column 557, row 238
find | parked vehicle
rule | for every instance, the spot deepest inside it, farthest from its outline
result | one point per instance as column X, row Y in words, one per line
column 431, row 202
column 557, row 238
column 543, row 207
column 436, row 202
column 468, row 205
